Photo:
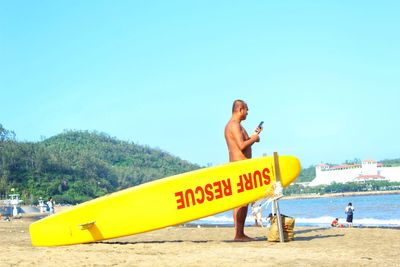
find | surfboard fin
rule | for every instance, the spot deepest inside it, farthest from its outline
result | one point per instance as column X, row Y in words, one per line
column 87, row 226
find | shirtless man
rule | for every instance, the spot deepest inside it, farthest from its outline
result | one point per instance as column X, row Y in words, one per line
column 239, row 146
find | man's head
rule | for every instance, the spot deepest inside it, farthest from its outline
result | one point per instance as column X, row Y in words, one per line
column 240, row 109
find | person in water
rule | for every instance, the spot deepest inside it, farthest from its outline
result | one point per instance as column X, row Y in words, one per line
column 349, row 210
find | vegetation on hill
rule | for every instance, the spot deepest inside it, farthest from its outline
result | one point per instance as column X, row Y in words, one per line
column 76, row 166
column 391, row 162
column 306, row 175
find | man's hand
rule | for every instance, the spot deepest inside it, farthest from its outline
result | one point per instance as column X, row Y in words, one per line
column 255, row 137
column 257, row 131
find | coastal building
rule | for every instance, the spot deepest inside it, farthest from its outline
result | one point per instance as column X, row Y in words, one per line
column 368, row 170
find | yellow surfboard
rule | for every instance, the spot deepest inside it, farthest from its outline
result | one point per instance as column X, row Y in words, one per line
column 165, row 202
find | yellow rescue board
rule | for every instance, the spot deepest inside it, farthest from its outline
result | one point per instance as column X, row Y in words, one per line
column 165, row 202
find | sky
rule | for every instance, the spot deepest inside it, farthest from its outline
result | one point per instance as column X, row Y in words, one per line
column 324, row 76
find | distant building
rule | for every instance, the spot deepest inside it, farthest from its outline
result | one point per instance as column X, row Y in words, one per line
column 368, row 170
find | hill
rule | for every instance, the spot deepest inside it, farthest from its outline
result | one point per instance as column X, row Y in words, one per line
column 76, row 166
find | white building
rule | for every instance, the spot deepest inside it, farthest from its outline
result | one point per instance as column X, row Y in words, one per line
column 366, row 171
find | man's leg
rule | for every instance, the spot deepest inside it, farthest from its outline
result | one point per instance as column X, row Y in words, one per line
column 239, row 217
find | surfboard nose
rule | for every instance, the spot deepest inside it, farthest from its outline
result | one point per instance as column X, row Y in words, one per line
column 289, row 168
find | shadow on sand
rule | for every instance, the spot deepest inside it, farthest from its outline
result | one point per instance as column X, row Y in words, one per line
column 318, row 235
column 148, row 242
column 308, row 238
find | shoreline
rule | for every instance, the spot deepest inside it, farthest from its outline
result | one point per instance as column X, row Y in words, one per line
column 207, row 225
column 344, row 194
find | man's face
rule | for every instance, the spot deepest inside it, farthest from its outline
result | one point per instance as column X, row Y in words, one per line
column 244, row 110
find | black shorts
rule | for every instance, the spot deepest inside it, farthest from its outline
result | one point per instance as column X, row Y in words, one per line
column 349, row 218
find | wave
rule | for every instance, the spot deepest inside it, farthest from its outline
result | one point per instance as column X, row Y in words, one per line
column 326, row 220
column 317, row 221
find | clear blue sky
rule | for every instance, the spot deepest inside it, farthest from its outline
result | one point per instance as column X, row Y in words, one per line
column 323, row 75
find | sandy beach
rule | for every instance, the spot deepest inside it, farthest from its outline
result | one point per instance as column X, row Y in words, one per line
column 208, row 246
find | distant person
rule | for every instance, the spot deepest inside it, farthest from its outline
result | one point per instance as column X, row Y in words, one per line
column 269, row 218
column 51, row 204
column 239, row 146
column 335, row 222
column 349, row 210
column 256, row 211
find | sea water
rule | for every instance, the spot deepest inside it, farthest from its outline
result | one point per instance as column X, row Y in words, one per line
column 371, row 210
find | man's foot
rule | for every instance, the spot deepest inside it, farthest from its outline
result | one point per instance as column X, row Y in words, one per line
column 243, row 238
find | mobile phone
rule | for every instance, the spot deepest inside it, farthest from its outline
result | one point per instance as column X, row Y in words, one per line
column 261, row 124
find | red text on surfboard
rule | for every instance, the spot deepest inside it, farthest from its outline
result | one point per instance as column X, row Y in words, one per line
column 201, row 194
column 220, row 189
column 253, row 180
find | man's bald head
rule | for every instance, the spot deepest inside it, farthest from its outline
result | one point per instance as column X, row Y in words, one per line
column 238, row 104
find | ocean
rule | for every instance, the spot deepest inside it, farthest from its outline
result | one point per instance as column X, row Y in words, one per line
column 370, row 211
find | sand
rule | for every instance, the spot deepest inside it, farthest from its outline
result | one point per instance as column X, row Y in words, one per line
column 208, row 246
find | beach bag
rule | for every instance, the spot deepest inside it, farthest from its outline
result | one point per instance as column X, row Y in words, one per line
column 288, row 229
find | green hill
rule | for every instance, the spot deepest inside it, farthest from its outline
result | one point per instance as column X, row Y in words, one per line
column 76, row 166
column 306, row 174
